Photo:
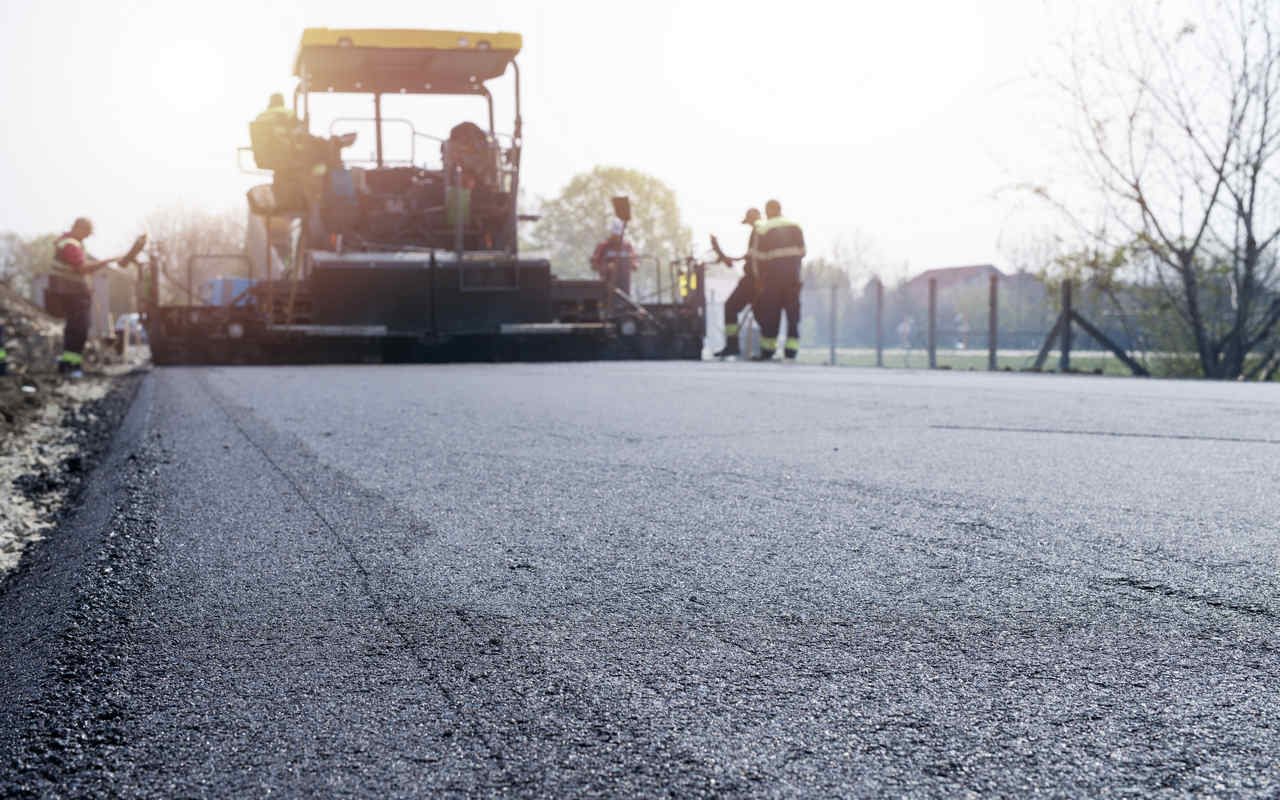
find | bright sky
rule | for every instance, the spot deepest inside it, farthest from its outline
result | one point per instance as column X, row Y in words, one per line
column 895, row 123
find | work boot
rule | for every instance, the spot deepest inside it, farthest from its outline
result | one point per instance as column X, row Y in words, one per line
column 791, row 348
column 765, row 355
column 70, row 364
column 730, row 349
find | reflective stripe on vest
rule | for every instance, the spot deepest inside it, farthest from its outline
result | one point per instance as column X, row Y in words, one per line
column 278, row 114
column 780, row 245
column 769, row 224
column 781, row 252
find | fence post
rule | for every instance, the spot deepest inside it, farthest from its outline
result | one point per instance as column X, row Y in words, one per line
column 992, row 318
column 1064, row 362
column 833, row 325
column 933, row 323
column 879, row 323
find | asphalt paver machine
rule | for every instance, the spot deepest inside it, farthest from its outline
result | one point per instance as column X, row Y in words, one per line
column 412, row 259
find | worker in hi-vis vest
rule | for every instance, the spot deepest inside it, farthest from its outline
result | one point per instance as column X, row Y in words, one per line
column 69, row 295
column 779, row 251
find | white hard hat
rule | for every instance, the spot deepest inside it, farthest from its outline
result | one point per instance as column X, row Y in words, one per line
column 615, row 227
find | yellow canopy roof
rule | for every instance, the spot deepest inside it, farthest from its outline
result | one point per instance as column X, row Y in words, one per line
column 414, row 61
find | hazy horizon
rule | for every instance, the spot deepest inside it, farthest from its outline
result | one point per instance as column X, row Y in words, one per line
column 894, row 127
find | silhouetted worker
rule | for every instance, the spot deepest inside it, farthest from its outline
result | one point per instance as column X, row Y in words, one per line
column 282, row 143
column 744, row 294
column 283, row 120
column 779, row 251
column 69, row 294
column 615, row 258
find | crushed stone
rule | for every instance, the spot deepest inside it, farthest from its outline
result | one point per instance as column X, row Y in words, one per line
column 41, row 461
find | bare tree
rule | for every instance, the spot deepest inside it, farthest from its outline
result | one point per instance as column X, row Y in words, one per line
column 178, row 233
column 858, row 255
column 19, row 261
column 1179, row 126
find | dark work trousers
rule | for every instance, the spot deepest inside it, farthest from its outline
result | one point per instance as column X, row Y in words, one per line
column 76, row 305
column 792, row 307
column 622, row 280
column 621, row 276
column 743, row 295
column 779, row 290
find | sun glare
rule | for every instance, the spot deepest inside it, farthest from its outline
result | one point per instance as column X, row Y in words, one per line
column 194, row 75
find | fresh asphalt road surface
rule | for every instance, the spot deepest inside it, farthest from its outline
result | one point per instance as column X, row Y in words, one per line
column 678, row 579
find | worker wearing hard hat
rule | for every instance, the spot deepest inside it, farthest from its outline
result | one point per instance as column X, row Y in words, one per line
column 69, row 295
column 614, row 258
column 744, row 293
column 779, row 251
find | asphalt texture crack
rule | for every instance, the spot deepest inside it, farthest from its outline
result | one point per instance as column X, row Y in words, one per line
column 661, row 580
column 1214, row 600
column 411, row 646
column 1121, row 434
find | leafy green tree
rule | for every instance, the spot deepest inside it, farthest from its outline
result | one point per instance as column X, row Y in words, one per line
column 576, row 220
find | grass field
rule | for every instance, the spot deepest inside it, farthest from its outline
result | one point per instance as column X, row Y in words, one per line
column 1087, row 361
column 1081, row 360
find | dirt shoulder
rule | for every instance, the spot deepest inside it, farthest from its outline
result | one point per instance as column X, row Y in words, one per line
column 51, row 427
column 53, row 432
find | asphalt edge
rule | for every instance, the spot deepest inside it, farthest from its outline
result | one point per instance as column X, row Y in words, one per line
column 59, row 606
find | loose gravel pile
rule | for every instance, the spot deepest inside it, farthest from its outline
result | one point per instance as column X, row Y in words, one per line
column 49, row 426
column 32, row 338
column 41, row 461
column 65, row 427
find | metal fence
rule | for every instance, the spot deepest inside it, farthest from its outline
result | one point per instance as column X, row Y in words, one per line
column 985, row 322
